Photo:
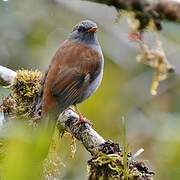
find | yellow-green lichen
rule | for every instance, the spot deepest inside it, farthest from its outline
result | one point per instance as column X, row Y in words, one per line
column 24, row 89
column 111, row 167
column 8, row 106
column 52, row 166
column 105, row 167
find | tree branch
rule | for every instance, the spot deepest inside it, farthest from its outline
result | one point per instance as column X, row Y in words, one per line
column 6, row 76
column 83, row 132
column 145, row 11
column 107, row 158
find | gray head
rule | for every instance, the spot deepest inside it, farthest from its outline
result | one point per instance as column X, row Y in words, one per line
column 84, row 32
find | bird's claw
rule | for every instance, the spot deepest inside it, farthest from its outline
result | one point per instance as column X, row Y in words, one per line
column 135, row 36
column 83, row 120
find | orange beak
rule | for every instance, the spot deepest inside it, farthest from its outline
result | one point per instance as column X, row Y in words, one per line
column 93, row 29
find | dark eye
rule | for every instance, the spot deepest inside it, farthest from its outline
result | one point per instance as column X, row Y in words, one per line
column 81, row 28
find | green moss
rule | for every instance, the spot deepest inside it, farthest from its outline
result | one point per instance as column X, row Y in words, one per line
column 24, row 89
column 8, row 106
column 105, row 166
column 111, row 167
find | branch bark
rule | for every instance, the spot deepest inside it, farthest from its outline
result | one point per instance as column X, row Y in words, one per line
column 144, row 10
column 90, row 139
column 6, row 76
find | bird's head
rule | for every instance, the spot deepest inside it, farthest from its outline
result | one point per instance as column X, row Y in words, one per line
column 84, row 31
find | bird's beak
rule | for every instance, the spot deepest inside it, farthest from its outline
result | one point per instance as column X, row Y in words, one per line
column 93, row 29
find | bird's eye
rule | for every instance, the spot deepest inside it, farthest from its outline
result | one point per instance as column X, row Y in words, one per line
column 81, row 28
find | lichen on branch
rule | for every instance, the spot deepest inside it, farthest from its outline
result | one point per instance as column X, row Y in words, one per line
column 23, row 90
column 111, row 167
column 155, row 58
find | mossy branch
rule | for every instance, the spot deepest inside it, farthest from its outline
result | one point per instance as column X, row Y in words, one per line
column 107, row 160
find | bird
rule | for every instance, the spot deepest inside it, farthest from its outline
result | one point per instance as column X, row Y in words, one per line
column 75, row 72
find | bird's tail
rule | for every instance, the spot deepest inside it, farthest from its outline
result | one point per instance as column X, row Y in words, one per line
column 47, row 119
column 37, row 105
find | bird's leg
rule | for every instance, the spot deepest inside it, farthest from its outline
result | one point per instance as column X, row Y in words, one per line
column 81, row 118
column 135, row 36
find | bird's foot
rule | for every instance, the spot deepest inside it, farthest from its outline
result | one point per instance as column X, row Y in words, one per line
column 135, row 36
column 83, row 120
